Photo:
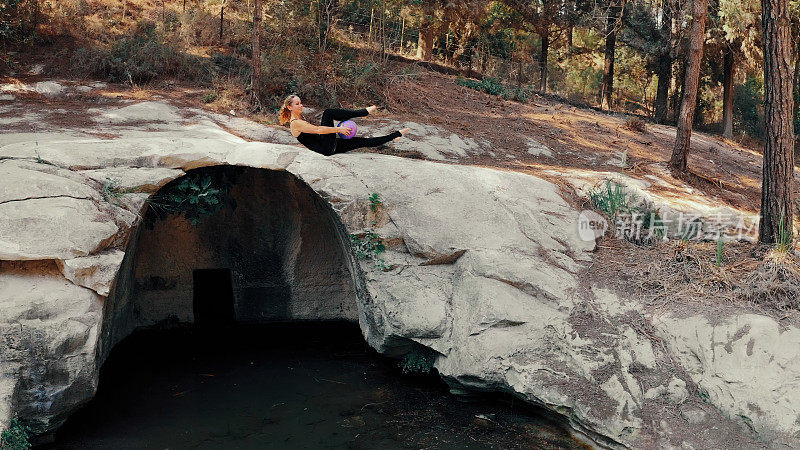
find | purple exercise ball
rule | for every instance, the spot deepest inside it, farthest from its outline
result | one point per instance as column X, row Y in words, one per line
column 353, row 128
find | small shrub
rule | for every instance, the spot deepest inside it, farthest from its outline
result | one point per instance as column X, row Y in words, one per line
column 17, row 23
column 493, row 87
column 489, row 85
column 636, row 222
column 418, row 361
column 518, row 94
column 140, row 58
column 720, row 244
column 210, row 97
column 369, row 247
column 636, row 124
column 112, row 191
column 15, row 437
column 612, row 200
column 196, row 196
column 652, row 220
column 375, row 201
column 646, row 225
column 356, row 79
column 231, row 66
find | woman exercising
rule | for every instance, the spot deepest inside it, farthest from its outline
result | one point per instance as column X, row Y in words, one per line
column 323, row 139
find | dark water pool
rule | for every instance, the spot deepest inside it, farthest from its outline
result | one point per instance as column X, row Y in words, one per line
column 299, row 385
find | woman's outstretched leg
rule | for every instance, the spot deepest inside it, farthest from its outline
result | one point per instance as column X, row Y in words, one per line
column 329, row 115
column 345, row 145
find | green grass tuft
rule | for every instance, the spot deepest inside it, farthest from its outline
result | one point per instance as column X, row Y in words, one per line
column 612, row 199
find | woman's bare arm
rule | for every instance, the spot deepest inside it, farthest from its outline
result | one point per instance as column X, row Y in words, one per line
column 301, row 126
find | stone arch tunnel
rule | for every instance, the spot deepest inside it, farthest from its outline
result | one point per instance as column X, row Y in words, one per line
column 273, row 250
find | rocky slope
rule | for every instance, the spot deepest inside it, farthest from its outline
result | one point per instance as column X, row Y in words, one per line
column 484, row 270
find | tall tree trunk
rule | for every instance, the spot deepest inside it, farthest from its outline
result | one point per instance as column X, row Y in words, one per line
column 256, row 80
column 221, row 20
column 543, row 62
column 662, row 91
column 371, row 20
column 569, row 5
column 570, row 29
column 425, row 44
column 426, row 33
column 777, row 199
column 607, row 87
column 382, row 29
column 796, row 86
column 402, row 34
column 727, row 93
column 796, row 83
column 694, row 55
column 664, row 64
column 677, row 91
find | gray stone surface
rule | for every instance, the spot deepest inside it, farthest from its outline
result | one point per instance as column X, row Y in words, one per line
column 96, row 272
column 430, row 140
column 59, row 227
column 134, row 179
column 747, row 365
column 484, row 268
column 536, row 148
column 49, row 88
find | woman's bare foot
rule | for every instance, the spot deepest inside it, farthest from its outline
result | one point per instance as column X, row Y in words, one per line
column 404, row 131
column 371, row 109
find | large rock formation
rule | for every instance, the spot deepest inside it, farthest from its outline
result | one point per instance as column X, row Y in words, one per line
column 483, row 268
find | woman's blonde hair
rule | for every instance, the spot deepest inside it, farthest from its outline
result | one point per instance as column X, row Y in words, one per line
column 285, row 115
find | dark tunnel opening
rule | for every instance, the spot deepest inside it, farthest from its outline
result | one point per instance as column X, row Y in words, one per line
column 212, row 299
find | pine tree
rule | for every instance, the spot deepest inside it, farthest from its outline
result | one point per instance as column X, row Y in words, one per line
column 777, row 198
column 694, row 56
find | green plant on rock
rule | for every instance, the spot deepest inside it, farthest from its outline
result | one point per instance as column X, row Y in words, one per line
column 703, row 395
column 369, row 247
column 112, row 191
column 15, row 437
column 418, row 361
column 637, row 221
column 196, row 196
column 613, row 199
column 374, row 201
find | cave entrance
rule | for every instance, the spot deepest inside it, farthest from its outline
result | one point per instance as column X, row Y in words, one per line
column 213, row 300
column 267, row 249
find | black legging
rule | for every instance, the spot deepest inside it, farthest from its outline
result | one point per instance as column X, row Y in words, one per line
column 331, row 145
